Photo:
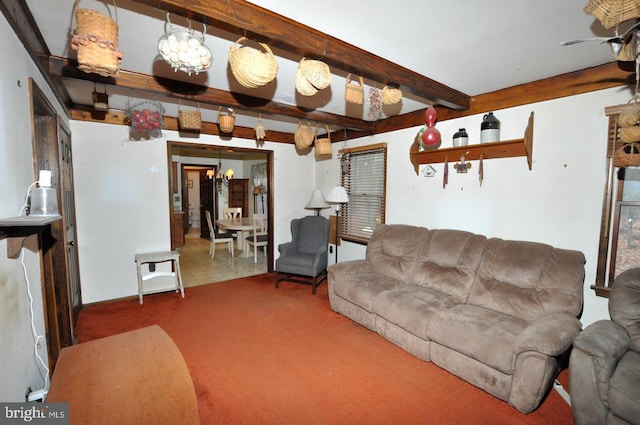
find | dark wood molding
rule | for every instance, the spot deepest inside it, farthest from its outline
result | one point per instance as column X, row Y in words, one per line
column 614, row 74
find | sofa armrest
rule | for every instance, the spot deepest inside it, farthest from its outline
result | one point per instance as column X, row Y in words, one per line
column 551, row 335
column 606, row 342
column 352, row 267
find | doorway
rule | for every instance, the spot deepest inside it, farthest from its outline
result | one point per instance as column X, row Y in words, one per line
column 193, row 189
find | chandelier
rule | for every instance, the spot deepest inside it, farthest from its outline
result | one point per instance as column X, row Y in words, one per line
column 223, row 177
column 184, row 49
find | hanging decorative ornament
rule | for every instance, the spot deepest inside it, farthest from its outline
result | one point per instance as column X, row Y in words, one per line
column 260, row 130
column 375, row 104
column 430, row 135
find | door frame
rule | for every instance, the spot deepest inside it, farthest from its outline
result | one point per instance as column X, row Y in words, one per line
column 213, row 151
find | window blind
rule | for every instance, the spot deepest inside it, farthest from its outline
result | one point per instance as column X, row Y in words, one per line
column 364, row 177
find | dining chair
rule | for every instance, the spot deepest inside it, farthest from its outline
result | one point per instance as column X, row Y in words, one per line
column 259, row 237
column 233, row 213
column 217, row 237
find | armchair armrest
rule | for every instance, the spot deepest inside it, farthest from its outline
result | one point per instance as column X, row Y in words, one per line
column 551, row 335
column 288, row 248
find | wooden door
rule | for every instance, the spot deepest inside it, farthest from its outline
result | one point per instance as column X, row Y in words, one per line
column 56, row 283
column 206, row 203
column 68, row 211
column 239, row 195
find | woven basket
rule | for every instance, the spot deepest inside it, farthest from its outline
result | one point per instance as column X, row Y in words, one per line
column 303, row 136
column 612, row 12
column 390, row 95
column 627, row 52
column 323, row 145
column 629, row 134
column 189, row 120
column 226, row 120
column 627, row 156
column 303, row 86
column 354, row 93
column 96, row 40
column 251, row 67
column 630, row 115
column 316, row 72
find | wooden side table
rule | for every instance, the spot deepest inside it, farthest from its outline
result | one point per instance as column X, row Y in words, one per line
column 158, row 257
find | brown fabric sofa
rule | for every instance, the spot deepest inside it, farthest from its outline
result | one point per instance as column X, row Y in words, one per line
column 604, row 371
column 497, row 313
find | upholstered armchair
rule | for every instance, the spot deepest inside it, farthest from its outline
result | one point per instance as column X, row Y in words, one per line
column 304, row 259
column 604, row 369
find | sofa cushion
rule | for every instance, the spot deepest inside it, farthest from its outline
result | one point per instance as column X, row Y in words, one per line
column 362, row 289
column 528, row 279
column 623, row 388
column 410, row 307
column 392, row 249
column 482, row 334
column 447, row 262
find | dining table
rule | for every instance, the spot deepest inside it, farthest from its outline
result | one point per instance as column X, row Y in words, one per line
column 243, row 225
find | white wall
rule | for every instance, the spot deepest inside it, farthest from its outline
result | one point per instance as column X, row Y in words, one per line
column 558, row 202
column 122, row 208
column 17, row 363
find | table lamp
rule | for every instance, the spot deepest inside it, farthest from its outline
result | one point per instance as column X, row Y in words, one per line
column 316, row 202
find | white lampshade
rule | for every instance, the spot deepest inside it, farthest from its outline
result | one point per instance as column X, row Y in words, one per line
column 317, row 201
column 337, row 195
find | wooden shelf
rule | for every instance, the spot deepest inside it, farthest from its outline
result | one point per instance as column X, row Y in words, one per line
column 18, row 228
column 505, row 149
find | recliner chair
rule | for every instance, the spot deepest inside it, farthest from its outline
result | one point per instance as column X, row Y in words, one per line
column 304, row 259
column 604, row 368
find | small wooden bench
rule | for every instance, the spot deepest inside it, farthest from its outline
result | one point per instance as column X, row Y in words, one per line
column 159, row 257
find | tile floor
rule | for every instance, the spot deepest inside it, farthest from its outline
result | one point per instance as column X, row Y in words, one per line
column 198, row 268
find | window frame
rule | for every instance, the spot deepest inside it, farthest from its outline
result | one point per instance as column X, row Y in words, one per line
column 347, row 215
column 612, row 205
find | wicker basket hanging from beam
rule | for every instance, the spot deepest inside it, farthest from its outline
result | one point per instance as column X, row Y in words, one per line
column 323, row 144
column 354, row 93
column 251, row 67
column 189, row 120
column 96, row 40
column 226, row 120
column 303, row 136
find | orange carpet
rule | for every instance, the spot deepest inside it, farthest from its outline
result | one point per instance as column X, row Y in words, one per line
column 260, row 355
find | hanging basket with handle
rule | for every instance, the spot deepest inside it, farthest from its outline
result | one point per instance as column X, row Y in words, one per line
column 251, row 67
column 627, row 156
column 323, row 145
column 613, row 12
column 189, row 120
column 96, row 40
column 303, row 136
column 303, row 86
column 226, row 120
column 354, row 93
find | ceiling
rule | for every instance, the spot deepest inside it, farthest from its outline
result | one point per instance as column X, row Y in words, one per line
column 437, row 52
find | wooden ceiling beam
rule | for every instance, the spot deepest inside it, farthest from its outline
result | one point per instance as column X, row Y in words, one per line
column 67, row 68
column 294, row 37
